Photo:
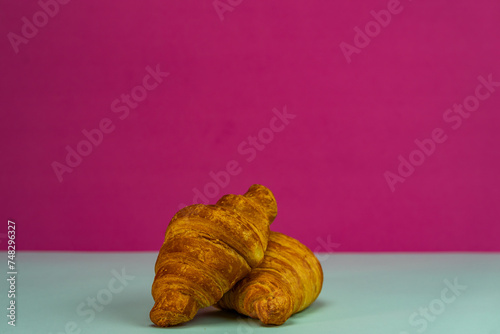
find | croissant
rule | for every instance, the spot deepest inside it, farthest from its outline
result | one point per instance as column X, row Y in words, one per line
column 207, row 249
column 286, row 282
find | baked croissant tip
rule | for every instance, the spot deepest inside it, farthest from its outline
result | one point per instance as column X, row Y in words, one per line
column 265, row 198
column 272, row 311
column 165, row 315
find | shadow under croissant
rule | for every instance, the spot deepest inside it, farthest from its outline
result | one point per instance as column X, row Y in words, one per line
column 245, row 321
column 231, row 315
column 212, row 316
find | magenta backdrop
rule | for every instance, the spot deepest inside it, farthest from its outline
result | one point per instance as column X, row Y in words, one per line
column 375, row 123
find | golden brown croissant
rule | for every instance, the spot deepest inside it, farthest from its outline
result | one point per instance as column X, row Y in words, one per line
column 286, row 282
column 207, row 249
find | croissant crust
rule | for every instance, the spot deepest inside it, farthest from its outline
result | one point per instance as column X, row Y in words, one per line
column 287, row 281
column 207, row 249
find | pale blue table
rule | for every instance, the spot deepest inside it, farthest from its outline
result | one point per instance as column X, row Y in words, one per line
column 362, row 293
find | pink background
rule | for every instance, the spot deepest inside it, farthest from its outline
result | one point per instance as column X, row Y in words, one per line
column 326, row 167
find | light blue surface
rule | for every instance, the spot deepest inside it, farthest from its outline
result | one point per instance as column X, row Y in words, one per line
column 362, row 293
